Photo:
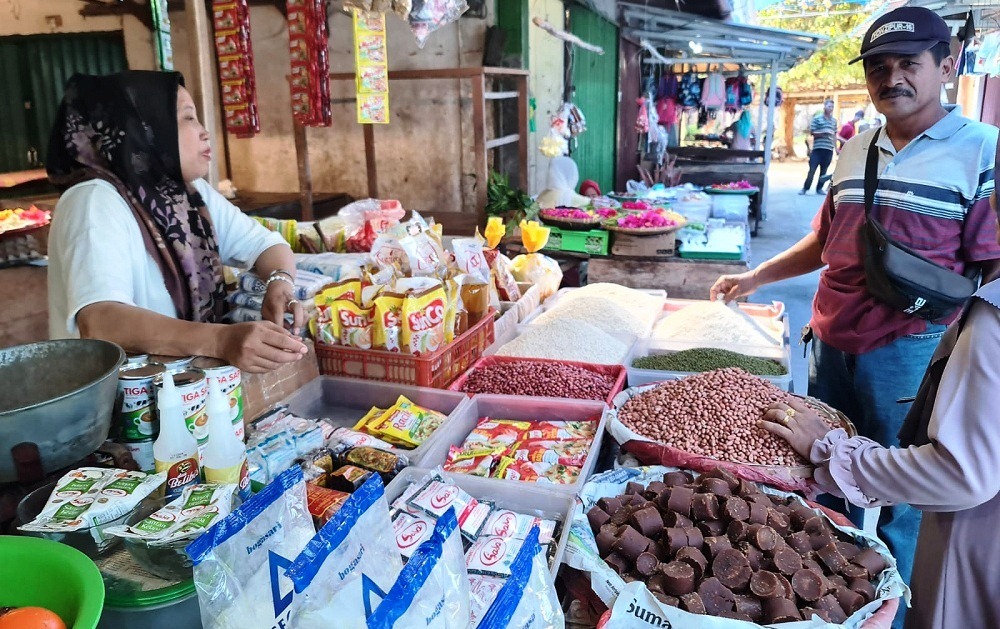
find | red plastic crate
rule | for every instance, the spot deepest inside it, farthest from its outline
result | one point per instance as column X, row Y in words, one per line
column 435, row 370
column 618, row 371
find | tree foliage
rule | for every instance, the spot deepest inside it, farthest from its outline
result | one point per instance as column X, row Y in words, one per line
column 827, row 68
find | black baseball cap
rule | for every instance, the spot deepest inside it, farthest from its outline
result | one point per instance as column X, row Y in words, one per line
column 904, row 31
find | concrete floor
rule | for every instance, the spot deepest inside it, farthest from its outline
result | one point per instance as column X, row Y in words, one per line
column 788, row 219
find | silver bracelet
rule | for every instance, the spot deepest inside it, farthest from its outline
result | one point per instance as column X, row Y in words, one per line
column 278, row 278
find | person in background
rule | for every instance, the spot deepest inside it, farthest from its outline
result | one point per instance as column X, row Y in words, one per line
column 138, row 237
column 947, row 468
column 823, row 128
column 936, row 172
column 849, row 130
column 589, row 188
column 742, row 132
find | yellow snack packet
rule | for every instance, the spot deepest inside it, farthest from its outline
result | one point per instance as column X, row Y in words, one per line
column 326, row 326
column 344, row 290
column 388, row 322
column 370, row 418
column 424, row 321
column 495, row 231
column 409, row 423
column 534, row 236
column 355, row 324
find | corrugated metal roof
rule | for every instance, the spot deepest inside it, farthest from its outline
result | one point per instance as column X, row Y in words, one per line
column 693, row 39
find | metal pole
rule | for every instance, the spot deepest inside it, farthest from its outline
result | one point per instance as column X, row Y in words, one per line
column 771, row 96
column 760, row 113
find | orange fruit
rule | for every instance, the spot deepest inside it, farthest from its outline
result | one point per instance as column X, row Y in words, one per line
column 31, row 618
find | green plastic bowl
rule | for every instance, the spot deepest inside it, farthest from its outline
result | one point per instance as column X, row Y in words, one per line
column 41, row 573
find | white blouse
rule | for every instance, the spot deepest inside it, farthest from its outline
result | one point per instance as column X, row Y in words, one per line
column 96, row 252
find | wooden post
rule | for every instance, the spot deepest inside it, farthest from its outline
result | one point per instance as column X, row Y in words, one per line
column 201, row 80
column 522, row 130
column 789, row 107
column 771, row 96
column 370, row 161
column 481, row 160
column 305, row 172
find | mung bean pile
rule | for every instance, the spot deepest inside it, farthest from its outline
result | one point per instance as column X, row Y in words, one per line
column 706, row 359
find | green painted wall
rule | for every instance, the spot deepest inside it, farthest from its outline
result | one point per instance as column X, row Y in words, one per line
column 512, row 17
column 594, row 89
column 34, row 70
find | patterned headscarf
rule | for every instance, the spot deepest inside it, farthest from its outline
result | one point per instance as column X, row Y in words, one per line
column 122, row 128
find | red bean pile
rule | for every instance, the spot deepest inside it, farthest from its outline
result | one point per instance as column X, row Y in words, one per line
column 712, row 414
column 540, row 379
column 720, row 546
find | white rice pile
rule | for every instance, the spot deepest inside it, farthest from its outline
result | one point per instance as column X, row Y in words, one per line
column 610, row 307
column 567, row 339
column 712, row 322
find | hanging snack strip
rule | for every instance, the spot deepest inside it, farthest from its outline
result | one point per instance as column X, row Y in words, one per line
column 161, row 35
column 231, row 19
column 308, row 37
column 371, row 67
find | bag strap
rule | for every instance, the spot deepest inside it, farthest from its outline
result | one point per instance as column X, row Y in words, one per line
column 871, row 175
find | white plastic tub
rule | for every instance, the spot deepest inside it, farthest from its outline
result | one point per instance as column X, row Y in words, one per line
column 534, row 409
column 638, row 377
column 344, row 401
column 538, row 501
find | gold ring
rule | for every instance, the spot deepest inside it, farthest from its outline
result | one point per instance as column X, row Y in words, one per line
column 790, row 413
column 785, row 420
column 289, row 304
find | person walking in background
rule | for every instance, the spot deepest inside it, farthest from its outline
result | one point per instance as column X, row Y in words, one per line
column 849, row 130
column 823, row 129
column 935, row 172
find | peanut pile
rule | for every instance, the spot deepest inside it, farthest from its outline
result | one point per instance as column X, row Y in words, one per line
column 712, row 414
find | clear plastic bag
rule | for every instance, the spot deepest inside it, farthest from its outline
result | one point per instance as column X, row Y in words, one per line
column 528, row 598
column 343, row 573
column 427, row 16
column 433, row 589
column 239, row 563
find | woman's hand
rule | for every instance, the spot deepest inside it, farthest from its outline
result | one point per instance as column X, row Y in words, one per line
column 259, row 346
column 797, row 424
column 280, row 299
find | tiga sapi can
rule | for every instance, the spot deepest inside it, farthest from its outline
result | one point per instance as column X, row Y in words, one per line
column 137, row 400
column 193, row 388
column 230, row 383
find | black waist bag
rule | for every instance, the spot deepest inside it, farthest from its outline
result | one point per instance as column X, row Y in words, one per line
column 900, row 277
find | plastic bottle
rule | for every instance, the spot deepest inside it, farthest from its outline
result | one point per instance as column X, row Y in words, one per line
column 175, row 450
column 224, row 457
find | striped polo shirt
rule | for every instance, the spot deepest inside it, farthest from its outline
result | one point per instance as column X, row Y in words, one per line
column 821, row 124
column 933, row 196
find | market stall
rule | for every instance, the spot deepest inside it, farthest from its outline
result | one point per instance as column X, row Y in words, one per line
column 466, row 406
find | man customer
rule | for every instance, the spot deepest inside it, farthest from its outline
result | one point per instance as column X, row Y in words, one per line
column 823, row 128
column 849, row 130
column 935, row 178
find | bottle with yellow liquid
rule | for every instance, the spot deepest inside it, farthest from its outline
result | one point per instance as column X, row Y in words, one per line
column 175, row 450
column 224, row 457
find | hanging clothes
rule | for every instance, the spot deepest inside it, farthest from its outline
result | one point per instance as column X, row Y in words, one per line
column 689, row 90
column 642, row 120
column 666, row 109
column 732, row 94
column 713, row 92
column 746, row 92
column 667, row 87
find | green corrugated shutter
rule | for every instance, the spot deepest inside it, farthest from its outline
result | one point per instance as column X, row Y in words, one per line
column 40, row 66
column 595, row 91
column 14, row 140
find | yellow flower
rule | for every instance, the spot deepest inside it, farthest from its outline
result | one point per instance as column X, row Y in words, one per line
column 533, row 235
column 495, row 231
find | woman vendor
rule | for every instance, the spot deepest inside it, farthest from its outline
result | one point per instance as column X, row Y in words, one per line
column 138, row 237
column 947, row 468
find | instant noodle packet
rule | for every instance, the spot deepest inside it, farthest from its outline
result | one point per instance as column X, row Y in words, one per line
column 409, row 423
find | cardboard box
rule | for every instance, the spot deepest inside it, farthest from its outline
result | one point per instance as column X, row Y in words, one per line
column 661, row 246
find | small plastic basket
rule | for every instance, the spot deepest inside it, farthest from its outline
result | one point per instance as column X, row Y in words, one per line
column 435, row 370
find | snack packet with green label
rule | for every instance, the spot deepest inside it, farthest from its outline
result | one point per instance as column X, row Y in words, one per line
column 187, row 517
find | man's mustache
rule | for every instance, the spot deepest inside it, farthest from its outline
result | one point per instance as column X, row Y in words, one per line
column 894, row 92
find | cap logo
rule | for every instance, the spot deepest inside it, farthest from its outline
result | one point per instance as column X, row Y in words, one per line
column 891, row 27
